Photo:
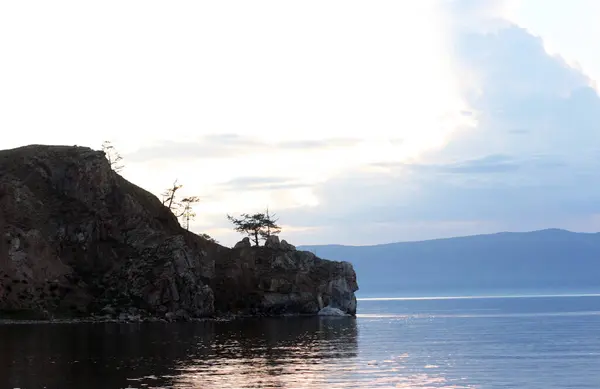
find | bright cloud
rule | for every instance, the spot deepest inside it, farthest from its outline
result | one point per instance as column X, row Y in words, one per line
column 142, row 72
column 567, row 28
column 350, row 118
column 163, row 82
column 528, row 162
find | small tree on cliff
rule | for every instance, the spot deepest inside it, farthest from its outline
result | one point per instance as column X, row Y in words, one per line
column 169, row 197
column 270, row 227
column 113, row 156
column 180, row 208
column 187, row 212
column 257, row 226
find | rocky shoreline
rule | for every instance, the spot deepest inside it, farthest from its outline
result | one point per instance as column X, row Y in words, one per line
column 137, row 319
column 78, row 241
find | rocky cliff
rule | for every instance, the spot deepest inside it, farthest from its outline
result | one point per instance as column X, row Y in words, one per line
column 79, row 240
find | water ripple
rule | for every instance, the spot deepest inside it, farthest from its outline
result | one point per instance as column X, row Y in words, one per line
column 460, row 344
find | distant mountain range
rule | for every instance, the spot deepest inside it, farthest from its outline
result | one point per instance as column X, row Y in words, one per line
column 548, row 261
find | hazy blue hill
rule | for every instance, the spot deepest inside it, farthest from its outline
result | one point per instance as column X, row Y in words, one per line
column 545, row 261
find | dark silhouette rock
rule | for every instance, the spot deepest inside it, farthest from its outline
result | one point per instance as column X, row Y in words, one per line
column 268, row 281
column 77, row 239
column 286, row 246
column 244, row 243
column 272, row 242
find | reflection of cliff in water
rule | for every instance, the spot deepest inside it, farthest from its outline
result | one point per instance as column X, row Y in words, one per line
column 275, row 352
column 252, row 352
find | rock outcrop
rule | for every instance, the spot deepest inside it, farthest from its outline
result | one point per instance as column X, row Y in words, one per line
column 244, row 243
column 273, row 242
column 77, row 239
column 262, row 280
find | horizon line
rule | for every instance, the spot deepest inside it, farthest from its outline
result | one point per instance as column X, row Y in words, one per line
column 476, row 297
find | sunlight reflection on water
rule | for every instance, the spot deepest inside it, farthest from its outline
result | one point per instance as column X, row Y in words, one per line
column 444, row 344
column 310, row 353
column 314, row 352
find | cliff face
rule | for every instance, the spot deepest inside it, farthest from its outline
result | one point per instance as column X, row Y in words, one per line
column 78, row 239
column 277, row 280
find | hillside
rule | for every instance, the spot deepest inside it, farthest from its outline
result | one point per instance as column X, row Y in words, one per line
column 78, row 240
column 547, row 261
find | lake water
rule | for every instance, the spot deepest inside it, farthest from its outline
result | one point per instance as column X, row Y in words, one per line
column 520, row 343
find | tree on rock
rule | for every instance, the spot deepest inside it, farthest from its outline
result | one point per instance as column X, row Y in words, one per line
column 187, row 212
column 180, row 208
column 113, row 156
column 257, row 226
column 271, row 228
column 169, row 197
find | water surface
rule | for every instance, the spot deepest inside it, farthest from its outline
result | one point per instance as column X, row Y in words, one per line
column 544, row 342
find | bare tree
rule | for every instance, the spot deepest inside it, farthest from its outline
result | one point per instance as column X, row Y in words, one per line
column 114, row 158
column 180, row 208
column 169, row 197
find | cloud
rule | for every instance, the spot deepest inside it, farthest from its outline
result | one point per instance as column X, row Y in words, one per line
column 496, row 163
column 529, row 162
column 319, row 144
column 484, row 165
column 489, row 164
column 231, row 145
column 424, row 204
column 260, row 183
column 480, row 16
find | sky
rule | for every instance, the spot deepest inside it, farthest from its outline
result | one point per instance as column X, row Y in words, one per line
column 356, row 122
